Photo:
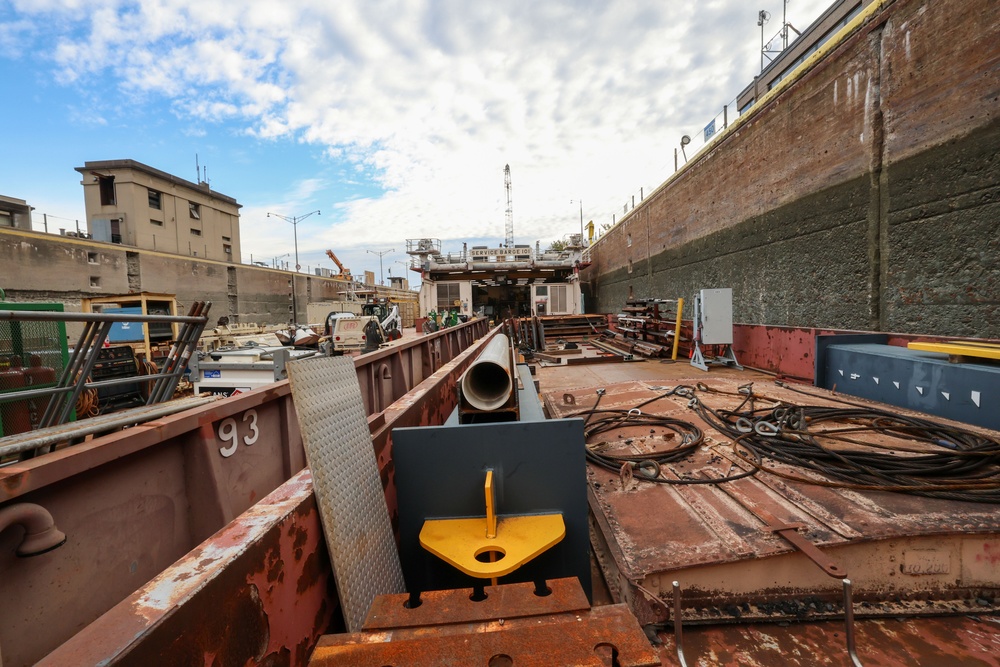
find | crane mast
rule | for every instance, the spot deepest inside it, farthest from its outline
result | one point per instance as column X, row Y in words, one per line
column 509, row 239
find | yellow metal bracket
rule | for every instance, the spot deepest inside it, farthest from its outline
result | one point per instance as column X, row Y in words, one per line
column 491, row 546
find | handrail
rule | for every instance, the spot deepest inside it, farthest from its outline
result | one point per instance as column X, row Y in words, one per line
column 74, row 377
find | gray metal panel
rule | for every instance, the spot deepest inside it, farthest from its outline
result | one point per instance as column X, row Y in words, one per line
column 916, row 380
column 717, row 316
column 348, row 490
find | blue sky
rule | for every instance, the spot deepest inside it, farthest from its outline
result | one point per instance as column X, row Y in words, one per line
column 394, row 118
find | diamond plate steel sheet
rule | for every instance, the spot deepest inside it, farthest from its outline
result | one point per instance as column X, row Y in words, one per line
column 349, row 494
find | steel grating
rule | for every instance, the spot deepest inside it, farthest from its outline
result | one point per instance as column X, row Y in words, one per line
column 346, row 481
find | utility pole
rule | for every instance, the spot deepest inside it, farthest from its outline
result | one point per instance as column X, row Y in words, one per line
column 580, row 202
column 380, row 255
column 295, row 220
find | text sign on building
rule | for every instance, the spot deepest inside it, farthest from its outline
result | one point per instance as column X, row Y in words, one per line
column 486, row 253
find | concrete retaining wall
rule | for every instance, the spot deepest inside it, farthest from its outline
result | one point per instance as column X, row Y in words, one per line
column 38, row 267
column 866, row 195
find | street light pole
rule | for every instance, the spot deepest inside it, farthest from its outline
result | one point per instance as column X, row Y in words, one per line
column 380, row 255
column 295, row 220
column 580, row 202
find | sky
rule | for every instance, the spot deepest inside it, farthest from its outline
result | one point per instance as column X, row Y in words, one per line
column 393, row 118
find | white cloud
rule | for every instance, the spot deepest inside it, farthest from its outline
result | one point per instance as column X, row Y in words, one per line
column 432, row 97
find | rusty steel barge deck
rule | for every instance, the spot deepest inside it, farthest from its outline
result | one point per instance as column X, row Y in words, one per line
column 759, row 561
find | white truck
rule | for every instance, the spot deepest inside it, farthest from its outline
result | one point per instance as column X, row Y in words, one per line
column 378, row 323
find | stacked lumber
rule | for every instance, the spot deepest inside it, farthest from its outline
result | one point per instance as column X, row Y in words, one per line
column 647, row 327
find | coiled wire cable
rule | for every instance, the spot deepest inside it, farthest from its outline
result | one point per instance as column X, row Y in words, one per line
column 860, row 447
column 648, row 466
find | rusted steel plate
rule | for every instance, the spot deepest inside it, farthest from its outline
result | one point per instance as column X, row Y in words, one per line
column 970, row 641
column 602, row 636
column 507, row 601
column 904, row 552
column 259, row 592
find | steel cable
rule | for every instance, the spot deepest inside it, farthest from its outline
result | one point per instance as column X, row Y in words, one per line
column 647, row 466
column 949, row 462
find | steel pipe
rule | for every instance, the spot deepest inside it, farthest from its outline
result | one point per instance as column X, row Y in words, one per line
column 32, row 440
column 488, row 383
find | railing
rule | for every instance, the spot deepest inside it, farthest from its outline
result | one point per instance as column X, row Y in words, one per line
column 74, row 379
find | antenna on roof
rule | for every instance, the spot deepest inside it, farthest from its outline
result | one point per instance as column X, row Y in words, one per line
column 197, row 168
column 509, row 236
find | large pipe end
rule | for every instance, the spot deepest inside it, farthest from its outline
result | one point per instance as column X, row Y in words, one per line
column 487, row 386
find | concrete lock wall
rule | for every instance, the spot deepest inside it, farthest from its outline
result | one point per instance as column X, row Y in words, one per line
column 36, row 267
column 865, row 195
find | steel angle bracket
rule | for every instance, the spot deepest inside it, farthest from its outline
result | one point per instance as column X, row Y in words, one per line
column 491, row 546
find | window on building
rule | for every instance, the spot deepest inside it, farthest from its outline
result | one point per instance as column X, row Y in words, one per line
column 194, row 210
column 116, row 230
column 6, row 219
column 158, row 223
column 95, row 281
column 91, row 258
column 226, row 248
column 447, row 295
column 107, row 187
column 154, row 199
column 628, row 241
column 226, row 239
column 195, row 232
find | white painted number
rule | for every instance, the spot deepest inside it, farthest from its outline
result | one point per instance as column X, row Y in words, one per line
column 252, row 416
column 228, row 432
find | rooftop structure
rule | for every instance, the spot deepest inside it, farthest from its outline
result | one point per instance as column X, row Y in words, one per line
column 14, row 213
column 131, row 203
column 500, row 281
column 836, row 16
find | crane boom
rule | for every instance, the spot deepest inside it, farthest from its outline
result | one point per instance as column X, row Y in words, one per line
column 343, row 270
column 509, row 239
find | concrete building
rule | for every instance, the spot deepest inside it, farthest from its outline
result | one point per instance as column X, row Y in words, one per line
column 132, row 204
column 14, row 213
column 498, row 282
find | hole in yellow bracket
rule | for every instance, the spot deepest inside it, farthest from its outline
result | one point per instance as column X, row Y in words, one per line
column 490, row 555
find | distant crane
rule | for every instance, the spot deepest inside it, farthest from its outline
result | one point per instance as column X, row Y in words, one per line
column 509, row 240
column 344, row 272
